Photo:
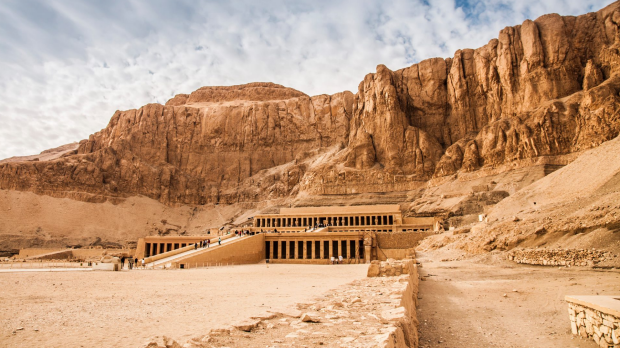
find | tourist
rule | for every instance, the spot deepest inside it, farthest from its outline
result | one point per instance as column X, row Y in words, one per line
column 333, row 260
column 208, row 242
column 136, row 262
column 340, row 259
column 195, row 245
column 143, row 263
column 219, row 241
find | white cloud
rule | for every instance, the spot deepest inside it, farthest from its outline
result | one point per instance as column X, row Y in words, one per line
column 66, row 66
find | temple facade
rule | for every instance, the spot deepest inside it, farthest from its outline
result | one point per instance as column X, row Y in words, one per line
column 315, row 234
column 377, row 218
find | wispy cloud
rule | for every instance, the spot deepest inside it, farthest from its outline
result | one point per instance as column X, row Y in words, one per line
column 66, row 66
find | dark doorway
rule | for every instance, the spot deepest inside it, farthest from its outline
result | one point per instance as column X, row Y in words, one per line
column 326, row 249
column 317, row 249
column 291, row 249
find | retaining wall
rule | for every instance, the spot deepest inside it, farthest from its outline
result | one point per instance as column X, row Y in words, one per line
column 559, row 257
column 400, row 240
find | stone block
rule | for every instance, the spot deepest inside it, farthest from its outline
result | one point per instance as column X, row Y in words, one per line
column 247, row 325
column 309, row 318
column 393, row 314
column 573, row 328
column 373, row 270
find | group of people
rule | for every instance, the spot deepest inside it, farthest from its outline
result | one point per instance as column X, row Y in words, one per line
column 131, row 262
column 243, row 233
column 206, row 243
column 337, row 261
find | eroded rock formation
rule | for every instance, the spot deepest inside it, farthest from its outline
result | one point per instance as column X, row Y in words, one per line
column 543, row 89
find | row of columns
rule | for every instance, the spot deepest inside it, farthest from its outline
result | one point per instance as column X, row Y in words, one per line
column 361, row 220
column 152, row 249
column 314, row 249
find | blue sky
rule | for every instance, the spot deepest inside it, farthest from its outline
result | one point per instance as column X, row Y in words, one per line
column 66, row 66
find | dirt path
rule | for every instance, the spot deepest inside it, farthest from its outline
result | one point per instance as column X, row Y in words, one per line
column 463, row 304
column 125, row 309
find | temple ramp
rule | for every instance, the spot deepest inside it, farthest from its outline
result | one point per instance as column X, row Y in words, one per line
column 189, row 250
column 55, row 255
column 243, row 250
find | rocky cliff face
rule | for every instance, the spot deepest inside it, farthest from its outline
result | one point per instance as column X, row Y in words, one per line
column 541, row 90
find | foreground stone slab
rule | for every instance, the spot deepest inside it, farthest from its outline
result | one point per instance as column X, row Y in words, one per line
column 595, row 317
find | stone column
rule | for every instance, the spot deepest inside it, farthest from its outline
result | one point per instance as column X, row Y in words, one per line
column 305, row 250
column 312, row 247
column 331, row 249
column 321, row 249
column 287, row 252
column 271, row 250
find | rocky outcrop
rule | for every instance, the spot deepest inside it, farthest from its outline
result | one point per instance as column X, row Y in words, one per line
column 194, row 152
column 546, row 88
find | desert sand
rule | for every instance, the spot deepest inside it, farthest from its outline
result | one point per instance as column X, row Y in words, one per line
column 462, row 303
column 125, row 309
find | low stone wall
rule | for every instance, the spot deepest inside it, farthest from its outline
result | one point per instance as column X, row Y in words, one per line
column 590, row 320
column 400, row 240
column 406, row 332
column 389, row 268
column 559, row 257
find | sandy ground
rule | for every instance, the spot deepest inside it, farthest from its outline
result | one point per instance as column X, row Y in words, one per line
column 125, row 309
column 463, row 305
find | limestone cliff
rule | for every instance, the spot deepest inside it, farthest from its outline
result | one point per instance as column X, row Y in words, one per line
column 540, row 91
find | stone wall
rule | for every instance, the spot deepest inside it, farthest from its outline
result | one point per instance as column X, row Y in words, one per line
column 559, row 257
column 245, row 250
column 30, row 252
column 64, row 254
column 396, row 254
column 405, row 317
column 400, row 240
column 587, row 322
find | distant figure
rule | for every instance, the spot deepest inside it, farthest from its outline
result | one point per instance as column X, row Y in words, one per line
column 219, row 241
column 208, row 242
column 340, row 259
column 333, row 260
column 195, row 245
column 136, row 262
column 142, row 263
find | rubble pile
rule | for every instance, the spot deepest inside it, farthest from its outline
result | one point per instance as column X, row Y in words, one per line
column 560, row 257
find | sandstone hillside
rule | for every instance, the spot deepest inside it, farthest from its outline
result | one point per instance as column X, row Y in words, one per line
column 577, row 206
